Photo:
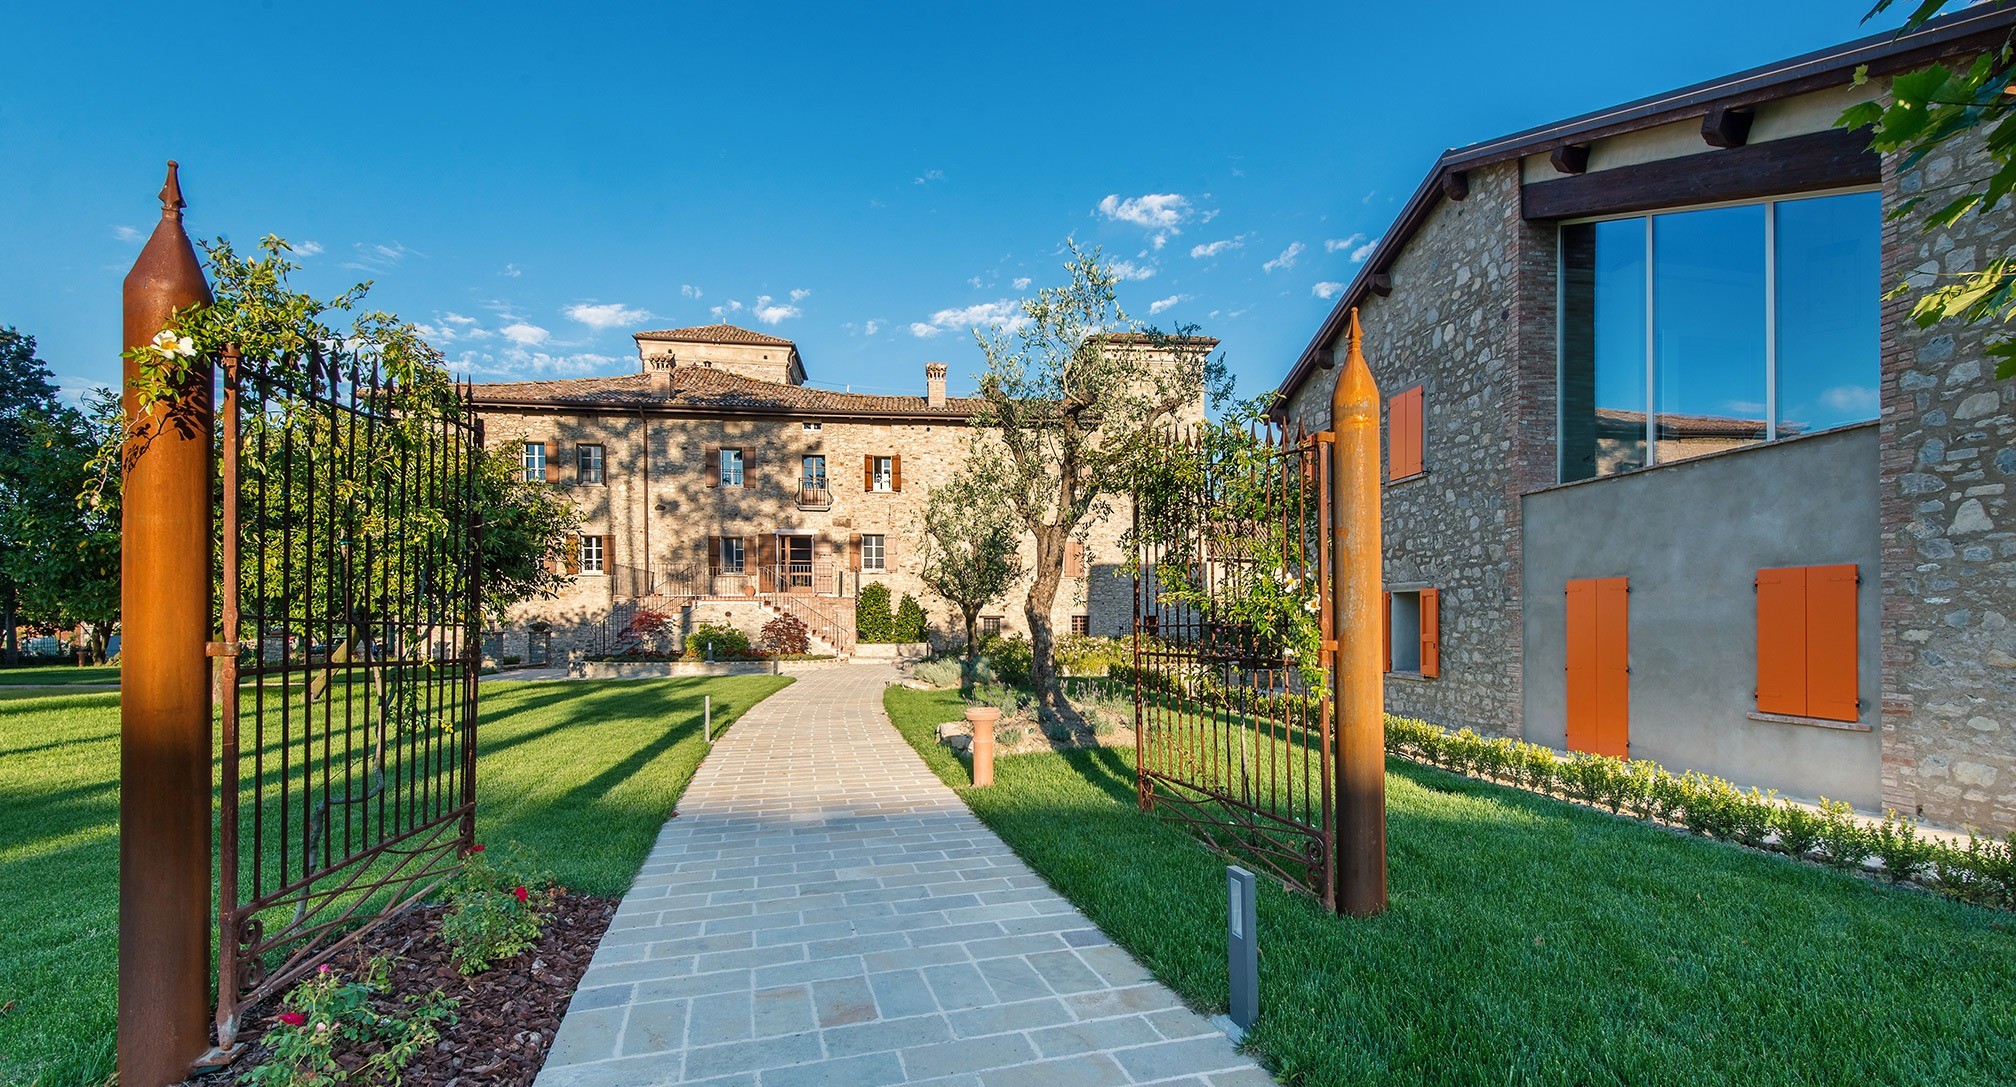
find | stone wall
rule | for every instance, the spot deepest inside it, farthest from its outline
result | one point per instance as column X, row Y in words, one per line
column 1949, row 529
column 1455, row 326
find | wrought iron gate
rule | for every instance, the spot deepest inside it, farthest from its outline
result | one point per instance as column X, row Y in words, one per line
column 1232, row 645
column 350, row 589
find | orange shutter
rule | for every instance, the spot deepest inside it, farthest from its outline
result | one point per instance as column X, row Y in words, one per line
column 868, row 473
column 552, row 453
column 1580, row 630
column 1613, row 667
column 854, row 552
column 1431, row 633
column 1074, row 559
column 1403, row 437
column 1386, row 631
column 1781, row 641
column 889, row 551
column 713, row 466
column 573, row 552
column 1831, row 673
column 895, row 471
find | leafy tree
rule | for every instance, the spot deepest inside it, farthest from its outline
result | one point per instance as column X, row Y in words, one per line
column 26, row 395
column 909, row 620
column 872, row 621
column 970, row 551
column 1930, row 109
column 1073, row 394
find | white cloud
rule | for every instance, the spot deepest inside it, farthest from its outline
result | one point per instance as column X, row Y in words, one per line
column 800, row 295
column 1021, row 283
column 973, row 282
column 1287, row 257
column 1846, row 398
column 605, row 315
column 872, row 327
column 929, row 177
column 770, row 311
column 1124, row 270
column 1359, row 254
column 73, row 388
column 1003, row 313
column 512, row 271
column 721, row 312
column 1327, row 289
column 379, row 258
column 308, row 248
column 1331, row 245
column 525, row 334
column 1161, row 213
column 517, row 362
column 1161, row 304
column 688, row 290
column 1212, row 249
column 457, row 319
column 127, row 233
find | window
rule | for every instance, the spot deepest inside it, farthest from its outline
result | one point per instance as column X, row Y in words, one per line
column 731, row 468
column 990, row 626
column 1414, row 632
column 884, row 473
column 874, row 552
column 1693, row 332
column 1806, row 635
column 811, row 428
column 1403, row 435
column 732, row 555
column 535, row 461
column 813, row 475
column 587, row 464
column 1081, row 624
column 591, row 554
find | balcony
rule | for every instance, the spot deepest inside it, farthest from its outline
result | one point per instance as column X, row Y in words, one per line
column 814, row 496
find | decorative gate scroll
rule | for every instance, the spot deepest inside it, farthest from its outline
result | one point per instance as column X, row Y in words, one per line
column 1232, row 623
column 350, row 587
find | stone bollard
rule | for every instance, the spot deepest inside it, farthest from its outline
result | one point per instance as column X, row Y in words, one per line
column 982, row 718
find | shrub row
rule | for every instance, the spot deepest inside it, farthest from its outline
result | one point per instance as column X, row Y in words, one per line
column 1983, row 873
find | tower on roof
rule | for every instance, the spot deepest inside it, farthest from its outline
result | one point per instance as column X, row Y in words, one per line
column 743, row 352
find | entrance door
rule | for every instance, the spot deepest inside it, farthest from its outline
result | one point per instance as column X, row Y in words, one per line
column 1599, row 666
column 797, row 552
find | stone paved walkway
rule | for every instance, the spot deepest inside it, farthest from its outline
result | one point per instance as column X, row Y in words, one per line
column 824, row 911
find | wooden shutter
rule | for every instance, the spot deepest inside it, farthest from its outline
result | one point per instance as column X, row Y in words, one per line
column 889, row 552
column 1781, row 641
column 1831, row 672
column 1598, row 665
column 1431, row 633
column 713, row 466
column 551, row 453
column 895, row 471
column 1074, row 558
column 854, row 552
column 573, row 552
column 1403, row 434
column 710, row 557
column 1386, row 631
column 868, row 472
column 766, row 548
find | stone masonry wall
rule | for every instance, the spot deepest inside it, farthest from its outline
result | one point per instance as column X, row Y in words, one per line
column 1455, row 324
column 673, row 518
column 1948, row 527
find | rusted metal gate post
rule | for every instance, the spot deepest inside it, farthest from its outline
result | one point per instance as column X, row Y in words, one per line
column 164, row 682
column 1360, row 688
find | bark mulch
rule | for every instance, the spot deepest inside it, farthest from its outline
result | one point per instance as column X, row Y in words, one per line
column 506, row 1015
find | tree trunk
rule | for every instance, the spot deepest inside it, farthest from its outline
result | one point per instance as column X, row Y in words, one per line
column 1042, row 598
column 10, row 650
column 972, row 665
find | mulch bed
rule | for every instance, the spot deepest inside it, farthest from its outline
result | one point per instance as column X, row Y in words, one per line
column 507, row 1014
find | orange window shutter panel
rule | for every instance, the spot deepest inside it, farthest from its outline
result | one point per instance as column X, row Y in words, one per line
column 552, row 460
column 889, row 551
column 1831, row 657
column 854, row 552
column 712, row 469
column 1396, row 436
column 1386, row 630
column 896, row 471
column 574, row 556
column 1580, row 629
column 1431, row 633
column 1613, row 667
column 1781, row 641
column 1412, row 465
column 1074, row 559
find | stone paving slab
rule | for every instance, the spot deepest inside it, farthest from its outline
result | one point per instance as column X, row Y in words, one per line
column 824, row 912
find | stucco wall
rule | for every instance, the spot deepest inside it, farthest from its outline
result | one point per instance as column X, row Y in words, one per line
column 1949, row 528
column 1691, row 536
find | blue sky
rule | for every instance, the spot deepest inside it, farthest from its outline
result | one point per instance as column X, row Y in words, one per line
column 535, row 182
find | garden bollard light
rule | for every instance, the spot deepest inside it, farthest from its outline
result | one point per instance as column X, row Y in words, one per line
column 707, row 721
column 982, row 718
column 1242, row 946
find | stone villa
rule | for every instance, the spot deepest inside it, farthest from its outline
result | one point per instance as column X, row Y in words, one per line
column 715, row 485
column 1669, row 476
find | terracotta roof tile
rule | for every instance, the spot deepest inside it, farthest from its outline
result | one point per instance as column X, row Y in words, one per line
column 722, row 333
column 702, row 389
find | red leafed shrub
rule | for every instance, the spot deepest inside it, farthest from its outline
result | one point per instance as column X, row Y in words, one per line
column 785, row 635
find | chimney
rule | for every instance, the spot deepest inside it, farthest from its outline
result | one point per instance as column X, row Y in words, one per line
column 659, row 369
column 934, row 384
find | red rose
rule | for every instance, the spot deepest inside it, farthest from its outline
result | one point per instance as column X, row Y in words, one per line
column 293, row 1019
column 520, row 894
column 478, row 848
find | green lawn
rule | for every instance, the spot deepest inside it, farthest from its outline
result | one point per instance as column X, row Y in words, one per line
column 583, row 774
column 1529, row 941
column 58, row 675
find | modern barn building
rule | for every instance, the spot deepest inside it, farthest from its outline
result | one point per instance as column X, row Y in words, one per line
column 1669, row 476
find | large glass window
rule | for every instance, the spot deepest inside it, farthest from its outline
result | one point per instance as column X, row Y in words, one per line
column 1692, row 332
column 731, row 467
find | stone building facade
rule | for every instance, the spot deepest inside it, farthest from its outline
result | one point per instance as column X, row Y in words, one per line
column 1480, row 295
column 826, row 494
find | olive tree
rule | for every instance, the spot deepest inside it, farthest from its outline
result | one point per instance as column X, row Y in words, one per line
column 970, row 552
column 1073, row 395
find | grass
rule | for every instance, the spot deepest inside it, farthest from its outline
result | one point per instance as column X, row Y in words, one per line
column 561, row 766
column 1529, row 941
column 58, row 675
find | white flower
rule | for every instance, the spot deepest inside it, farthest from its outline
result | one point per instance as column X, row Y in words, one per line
column 172, row 346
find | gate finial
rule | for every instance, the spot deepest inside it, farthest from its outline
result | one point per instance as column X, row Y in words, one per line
column 171, row 194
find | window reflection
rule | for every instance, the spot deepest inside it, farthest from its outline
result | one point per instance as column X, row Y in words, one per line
column 1708, row 331
column 1603, row 348
column 1827, row 288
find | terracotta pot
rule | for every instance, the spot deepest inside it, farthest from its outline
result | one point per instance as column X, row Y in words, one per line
column 983, row 719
